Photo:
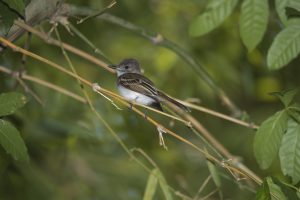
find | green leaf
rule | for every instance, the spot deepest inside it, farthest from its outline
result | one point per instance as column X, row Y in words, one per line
column 284, row 48
column 275, row 191
column 269, row 191
column 287, row 96
column 7, row 19
column 214, row 173
column 164, row 187
column 289, row 152
column 216, row 12
column 295, row 107
column 10, row 102
column 286, row 189
column 280, row 9
column 12, row 142
column 292, row 13
column 17, row 5
column 281, row 6
column 151, row 185
column 294, row 4
column 253, row 22
column 263, row 192
column 268, row 137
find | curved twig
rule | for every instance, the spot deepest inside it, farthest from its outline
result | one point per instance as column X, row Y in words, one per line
column 241, row 170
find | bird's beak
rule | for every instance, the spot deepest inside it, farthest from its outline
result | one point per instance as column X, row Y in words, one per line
column 113, row 66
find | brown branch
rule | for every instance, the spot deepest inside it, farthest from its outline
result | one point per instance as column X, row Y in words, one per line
column 244, row 171
column 215, row 143
column 100, row 63
column 87, row 56
column 68, row 47
column 29, row 90
column 35, row 13
column 158, row 39
column 195, row 123
column 46, row 84
column 219, row 115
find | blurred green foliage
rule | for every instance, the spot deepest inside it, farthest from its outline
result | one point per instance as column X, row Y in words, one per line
column 73, row 156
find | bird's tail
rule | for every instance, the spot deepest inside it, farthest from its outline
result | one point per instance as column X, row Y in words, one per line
column 173, row 101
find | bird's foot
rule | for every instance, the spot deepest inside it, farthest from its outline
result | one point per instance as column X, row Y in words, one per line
column 132, row 102
column 145, row 116
column 130, row 106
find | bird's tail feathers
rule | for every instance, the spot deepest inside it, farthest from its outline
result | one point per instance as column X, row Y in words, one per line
column 173, row 101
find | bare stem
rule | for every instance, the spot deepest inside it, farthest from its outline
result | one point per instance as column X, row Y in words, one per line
column 68, row 47
column 46, row 84
column 242, row 171
column 216, row 144
column 100, row 63
column 158, row 39
column 204, row 184
column 219, row 115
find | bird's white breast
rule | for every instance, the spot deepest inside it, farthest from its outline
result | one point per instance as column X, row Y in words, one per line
column 134, row 96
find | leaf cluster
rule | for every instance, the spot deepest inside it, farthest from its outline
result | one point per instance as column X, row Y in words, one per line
column 10, row 138
column 253, row 23
column 279, row 135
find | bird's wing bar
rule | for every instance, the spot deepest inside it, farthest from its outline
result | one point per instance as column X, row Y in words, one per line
column 138, row 83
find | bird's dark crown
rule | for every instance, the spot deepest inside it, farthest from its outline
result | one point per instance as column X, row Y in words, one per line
column 131, row 62
column 128, row 65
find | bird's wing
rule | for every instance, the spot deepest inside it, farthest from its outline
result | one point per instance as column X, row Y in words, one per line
column 138, row 83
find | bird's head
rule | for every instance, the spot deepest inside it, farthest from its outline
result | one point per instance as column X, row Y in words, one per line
column 128, row 65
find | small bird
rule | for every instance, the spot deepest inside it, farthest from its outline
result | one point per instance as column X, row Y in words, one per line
column 133, row 86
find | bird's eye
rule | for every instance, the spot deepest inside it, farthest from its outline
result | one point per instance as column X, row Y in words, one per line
column 126, row 67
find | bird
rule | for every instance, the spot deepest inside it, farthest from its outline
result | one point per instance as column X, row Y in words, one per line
column 135, row 87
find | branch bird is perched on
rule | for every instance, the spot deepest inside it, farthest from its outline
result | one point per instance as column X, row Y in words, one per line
column 133, row 86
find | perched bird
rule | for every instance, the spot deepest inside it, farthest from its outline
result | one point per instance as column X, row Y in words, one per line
column 133, row 86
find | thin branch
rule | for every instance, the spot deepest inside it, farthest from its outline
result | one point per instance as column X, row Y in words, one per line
column 216, row 144
column 200, row 128
column 46, row 84
column 98, row 62
column 30, row 91
column 145, row 155
column 88, row 42
column 22, row 69
column 158, row 39
column 203, row 152
column 121, row 100
column 82, row 100
column 36, row 12
column 206, row 142
column 209, row 194
column 84, row 55
column 220, row 115
column 183, row 196
column 98, row 12
column 16, row 48
column 97, row 89
column 129, row 152
column 26, row 46
column 68, row 47
column 113, row 133
column 187, row 123
column 203, row 185
column 198, row 134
